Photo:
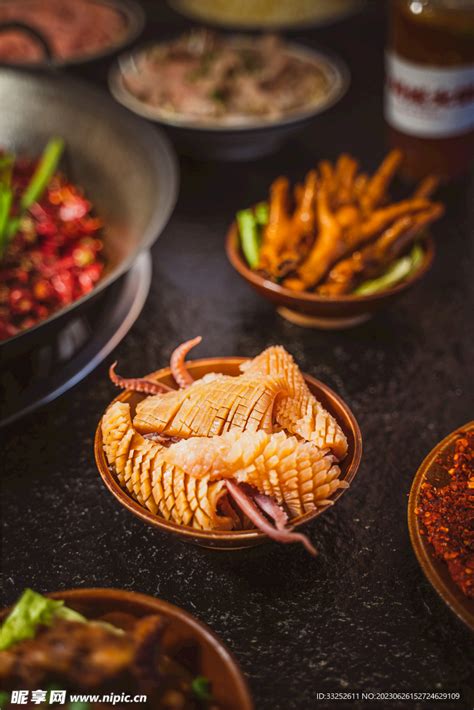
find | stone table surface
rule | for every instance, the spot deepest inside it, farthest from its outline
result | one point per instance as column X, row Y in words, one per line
column 360, row 617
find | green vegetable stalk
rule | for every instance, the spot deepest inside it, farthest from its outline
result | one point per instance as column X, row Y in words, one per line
column 39, row 181
column 47, row 166
column 249, row 236
column 261, row 213
column 6, row 199
column 396, row 272
column 250, row 223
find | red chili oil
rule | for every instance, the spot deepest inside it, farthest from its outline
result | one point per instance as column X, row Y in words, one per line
column 54, row 258
column 446, row 510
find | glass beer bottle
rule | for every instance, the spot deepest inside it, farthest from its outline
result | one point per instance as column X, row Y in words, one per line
column 429, row 94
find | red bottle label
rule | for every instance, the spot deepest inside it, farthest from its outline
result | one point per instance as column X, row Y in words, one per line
column 429, row 101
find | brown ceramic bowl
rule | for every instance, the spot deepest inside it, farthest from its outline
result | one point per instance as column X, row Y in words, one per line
column 187, row 637
column 436, row 570
column 233, row 539
column 313, row 311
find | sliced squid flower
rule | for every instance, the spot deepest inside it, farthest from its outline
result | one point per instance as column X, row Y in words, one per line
column 299, row 412
column 212, row 407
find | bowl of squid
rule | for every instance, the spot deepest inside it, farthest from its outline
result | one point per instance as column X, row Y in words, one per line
column 230, row 452
column 334, row 249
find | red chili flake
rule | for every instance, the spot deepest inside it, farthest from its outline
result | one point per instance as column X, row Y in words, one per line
column 446, row 511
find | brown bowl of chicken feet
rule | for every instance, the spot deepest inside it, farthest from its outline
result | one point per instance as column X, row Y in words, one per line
column 334, row 249
column 228, row 453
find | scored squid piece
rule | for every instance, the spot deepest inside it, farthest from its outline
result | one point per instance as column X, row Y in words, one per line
column 219, row 456
column 299, row 412
column 140, row 468
column 292, row 472
column 209, row 407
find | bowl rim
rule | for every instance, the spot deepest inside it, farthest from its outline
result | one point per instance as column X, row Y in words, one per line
column 434, row 569
column 235, row 257
column 291, row 26
column 197, row 627
column 327, row 61
column 208, row 535
column 164, row 164
column 135, row 19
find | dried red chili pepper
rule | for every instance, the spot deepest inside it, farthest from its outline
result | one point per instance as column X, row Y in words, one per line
column 446, row 511
column 55, row 257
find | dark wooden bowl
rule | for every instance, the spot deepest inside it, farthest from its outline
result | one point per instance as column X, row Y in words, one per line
column 436, row 570
column 313, row 311
column 233, row 539
column 185, row 636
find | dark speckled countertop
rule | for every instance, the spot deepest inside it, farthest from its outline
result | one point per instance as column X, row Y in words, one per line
column 361, row 616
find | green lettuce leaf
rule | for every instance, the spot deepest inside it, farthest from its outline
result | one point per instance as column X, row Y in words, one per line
column 31, row 611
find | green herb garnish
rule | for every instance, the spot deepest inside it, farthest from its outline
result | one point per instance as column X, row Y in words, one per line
column 4, row 698
column 204, row 67
column 201, row 688
column 218, row 95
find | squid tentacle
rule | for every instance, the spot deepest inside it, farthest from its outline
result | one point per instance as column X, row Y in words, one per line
column 177, row 365
column 249, row 507
column 136, row 384
column 273, row 510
